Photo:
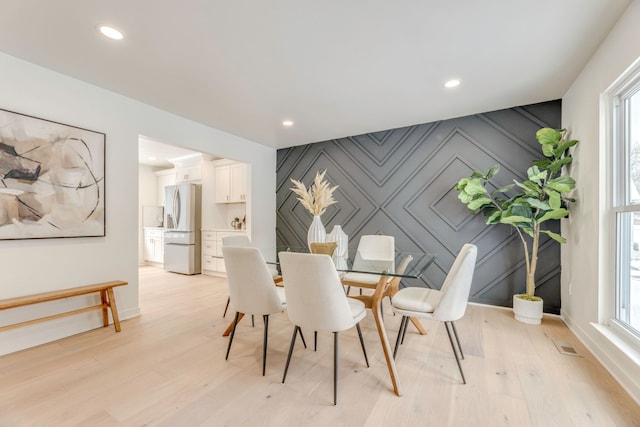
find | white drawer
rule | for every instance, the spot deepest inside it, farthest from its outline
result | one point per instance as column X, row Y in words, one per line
column 209, row 263
column 153, row 234
column 208, row 235
column 209, row 248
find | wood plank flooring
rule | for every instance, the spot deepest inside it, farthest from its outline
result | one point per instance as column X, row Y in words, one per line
column 167, row 368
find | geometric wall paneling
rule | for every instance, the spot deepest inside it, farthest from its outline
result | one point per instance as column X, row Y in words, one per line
column 401, row 182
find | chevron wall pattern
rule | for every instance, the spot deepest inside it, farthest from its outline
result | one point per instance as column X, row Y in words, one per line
column 401, row 182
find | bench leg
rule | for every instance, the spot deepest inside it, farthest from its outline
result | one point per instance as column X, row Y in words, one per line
column 105, row 305
column 114, row 309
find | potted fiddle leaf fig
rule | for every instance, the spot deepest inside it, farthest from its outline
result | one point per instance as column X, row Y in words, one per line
column 527, row 206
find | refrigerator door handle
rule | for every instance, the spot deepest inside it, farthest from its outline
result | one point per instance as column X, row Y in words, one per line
column 176, row 207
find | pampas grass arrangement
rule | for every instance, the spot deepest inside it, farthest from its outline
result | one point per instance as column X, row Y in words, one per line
column 318, row 197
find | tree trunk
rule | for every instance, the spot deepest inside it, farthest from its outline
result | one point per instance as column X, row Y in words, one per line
column 531, row 282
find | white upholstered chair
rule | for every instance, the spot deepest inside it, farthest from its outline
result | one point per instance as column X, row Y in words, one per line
column 251, row 289
column 235, row 241
column 445, row 305
column 316, row 301
column 375, row 252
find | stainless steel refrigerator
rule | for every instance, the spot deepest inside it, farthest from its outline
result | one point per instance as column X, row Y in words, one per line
column 182, row 215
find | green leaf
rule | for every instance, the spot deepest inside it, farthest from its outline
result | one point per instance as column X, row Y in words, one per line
column 557, row 164
column 494, row 217
column 554, row 214
column 478, row 203
column 474, row 187
column 532, row 189
column 562, row 184
column 564, row 146
column 536, row 175
column 554, row 198
column 537, row 203
column 462, row 183
column 542, row 163
column 555, row 236
column 492, row 171
column 503, row 189
column 476, row 175
column 548, row 136
column 514, row 219
column 464, row 197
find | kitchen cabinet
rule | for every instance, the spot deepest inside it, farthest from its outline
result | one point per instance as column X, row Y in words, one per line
column 231, row 183
column 165, row 178
column 212, row 259
column 154, row 245
column 188, row 173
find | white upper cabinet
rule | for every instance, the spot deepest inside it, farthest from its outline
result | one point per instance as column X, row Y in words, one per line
column 231, row 183
column 189, row 173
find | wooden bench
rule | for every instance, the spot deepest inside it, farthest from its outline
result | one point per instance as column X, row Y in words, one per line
column 106, row 295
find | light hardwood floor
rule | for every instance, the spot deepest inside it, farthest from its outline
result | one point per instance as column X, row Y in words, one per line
column 167, row 368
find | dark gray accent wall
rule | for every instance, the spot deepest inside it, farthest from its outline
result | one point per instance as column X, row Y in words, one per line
column 401, row 182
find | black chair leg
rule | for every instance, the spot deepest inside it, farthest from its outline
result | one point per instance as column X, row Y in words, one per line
column 293, row 342
column 364, row 350
column 315, row 340
column 265, row 317
column 335, row 368
column 404, row 330
column 302, row 336
column 226, row 307
column 348, row 290
column 403, row 325
column 455, row 352
column 455, row 333
column 233, row 332
column 253, row 322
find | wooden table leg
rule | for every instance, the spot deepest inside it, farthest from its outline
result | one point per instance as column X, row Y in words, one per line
column 230, row 327
column 114, row 309
column 105, row 308
column 376, row 303
column 418, row 325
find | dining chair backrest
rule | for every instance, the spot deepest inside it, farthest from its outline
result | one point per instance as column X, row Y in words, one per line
column 457, row 285
column 251, row 287
column 239, row 240
column 315, row 297
column 375, row 252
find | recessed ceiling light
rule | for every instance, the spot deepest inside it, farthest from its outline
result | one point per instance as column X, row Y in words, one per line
column 287, row 123
column 111, row 32
column 452, row 83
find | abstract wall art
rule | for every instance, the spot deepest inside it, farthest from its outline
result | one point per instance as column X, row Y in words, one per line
column 51, row 179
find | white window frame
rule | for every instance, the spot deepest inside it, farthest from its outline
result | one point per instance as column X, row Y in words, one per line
column 614, row 111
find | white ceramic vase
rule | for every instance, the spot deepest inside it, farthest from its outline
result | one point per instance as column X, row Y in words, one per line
column 341, row 253
column 527, row 311
column 316, row 233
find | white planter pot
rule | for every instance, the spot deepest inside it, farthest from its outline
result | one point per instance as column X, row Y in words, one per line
column 527, row 311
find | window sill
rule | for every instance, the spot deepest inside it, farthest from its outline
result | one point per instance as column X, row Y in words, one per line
column 623, row 340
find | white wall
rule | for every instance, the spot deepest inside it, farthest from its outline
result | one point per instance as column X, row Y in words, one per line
column 586, row 256
column 32, row 266
column 147, row 196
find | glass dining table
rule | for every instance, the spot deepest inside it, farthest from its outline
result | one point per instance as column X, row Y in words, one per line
column 382, row 276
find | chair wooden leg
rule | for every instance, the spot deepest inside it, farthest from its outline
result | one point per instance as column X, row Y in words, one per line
column 400, row 338
column 364, row 350
column 233, row 331
column 293, row 342
column 265, row 317
column 455, row 333
column 455, row 352
column 226, row 307
column 335, row 368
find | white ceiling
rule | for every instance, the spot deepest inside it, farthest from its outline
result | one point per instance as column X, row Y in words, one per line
column 336, row 68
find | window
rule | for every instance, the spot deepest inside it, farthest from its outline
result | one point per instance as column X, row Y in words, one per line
column 626, row 137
